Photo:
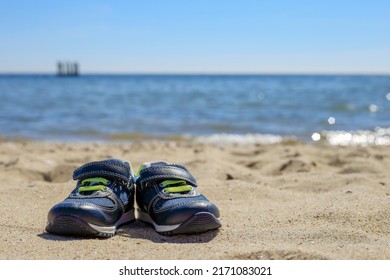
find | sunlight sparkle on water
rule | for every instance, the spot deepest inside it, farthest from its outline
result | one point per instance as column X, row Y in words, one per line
column 331, row 120
column 373, row 108
column 316, row 136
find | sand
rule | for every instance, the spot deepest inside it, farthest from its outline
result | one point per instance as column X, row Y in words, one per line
column 283, row 201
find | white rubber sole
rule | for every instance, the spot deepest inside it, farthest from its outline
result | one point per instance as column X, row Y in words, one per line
column 143, row 216
column 74, row 226
column 126, row 218
column 199, row 222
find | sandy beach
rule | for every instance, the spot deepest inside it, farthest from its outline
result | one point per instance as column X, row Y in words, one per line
column 283, row 201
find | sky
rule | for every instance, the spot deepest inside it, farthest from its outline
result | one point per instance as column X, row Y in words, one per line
column 196, row 36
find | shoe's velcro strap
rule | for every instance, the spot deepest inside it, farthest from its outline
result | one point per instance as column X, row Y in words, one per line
column 166, row 172
column 111, row 169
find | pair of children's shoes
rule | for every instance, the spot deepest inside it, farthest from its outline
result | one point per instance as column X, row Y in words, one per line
column 104, row 198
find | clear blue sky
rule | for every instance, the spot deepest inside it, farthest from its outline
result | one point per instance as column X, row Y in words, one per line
column 196, row 36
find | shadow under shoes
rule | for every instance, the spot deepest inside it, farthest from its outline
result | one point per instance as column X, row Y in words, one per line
column 168, row 198
column 102, row 201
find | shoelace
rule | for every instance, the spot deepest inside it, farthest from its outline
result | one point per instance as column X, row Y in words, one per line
column 93, row 184
column 176, row 186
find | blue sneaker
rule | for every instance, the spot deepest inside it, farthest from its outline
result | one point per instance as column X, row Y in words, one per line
column 102, row 201
column 168, row 198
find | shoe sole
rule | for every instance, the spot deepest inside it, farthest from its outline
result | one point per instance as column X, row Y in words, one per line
column 199, row 222
column 75, row 226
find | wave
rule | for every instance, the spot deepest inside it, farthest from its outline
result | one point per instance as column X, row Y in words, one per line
column 245, row 139
column 377, row 137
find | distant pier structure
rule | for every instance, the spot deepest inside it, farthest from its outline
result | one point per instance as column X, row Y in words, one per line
column 67, row 69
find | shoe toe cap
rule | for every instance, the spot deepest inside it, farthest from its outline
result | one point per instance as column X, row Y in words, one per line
column 89, row 213
column 177, row 215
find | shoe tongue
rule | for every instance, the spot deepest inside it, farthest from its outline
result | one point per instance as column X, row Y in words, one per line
column 114, row 160
column 173, row 186
column 150, row 164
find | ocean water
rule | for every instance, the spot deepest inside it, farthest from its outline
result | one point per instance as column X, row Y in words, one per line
column 340, row 109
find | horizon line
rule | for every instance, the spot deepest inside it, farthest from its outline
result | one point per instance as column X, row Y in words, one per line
column 90, row 73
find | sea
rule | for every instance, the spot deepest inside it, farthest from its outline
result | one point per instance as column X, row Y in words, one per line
column 243, row 109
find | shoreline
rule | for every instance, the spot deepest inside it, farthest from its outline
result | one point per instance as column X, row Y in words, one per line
column 288, row 200
column 380, row 136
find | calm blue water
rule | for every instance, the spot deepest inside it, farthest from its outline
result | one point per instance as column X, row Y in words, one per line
column 97, row 107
